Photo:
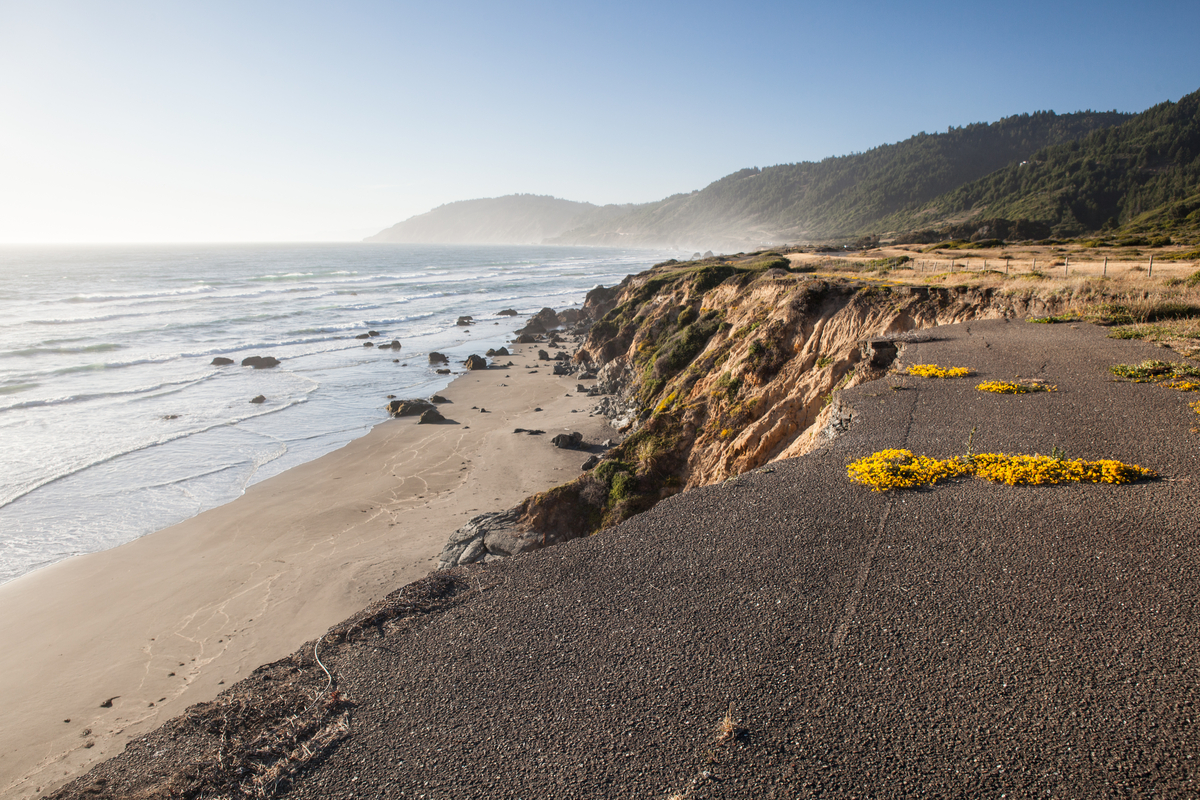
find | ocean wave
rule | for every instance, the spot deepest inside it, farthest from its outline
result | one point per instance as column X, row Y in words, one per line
column 103, row 347
column 79, row 320
column 282, row 277
column 105, row 298
column 15, row 388
column 166, row 387
column 16, row 493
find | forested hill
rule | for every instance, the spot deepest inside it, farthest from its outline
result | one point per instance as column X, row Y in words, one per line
column 513, row 219
column 839, row 196
column 1140, row 176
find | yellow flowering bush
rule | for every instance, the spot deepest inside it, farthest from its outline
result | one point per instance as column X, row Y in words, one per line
column 934, row 371
column 1014, row 387
column 901, row 469
column 1039, row 470
column 1184, row 385
column 1195, row 406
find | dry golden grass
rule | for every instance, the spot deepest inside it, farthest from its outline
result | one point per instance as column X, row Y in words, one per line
column 1162, row 306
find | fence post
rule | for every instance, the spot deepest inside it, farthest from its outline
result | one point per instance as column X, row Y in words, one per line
column 1006, row 266
column 1150, row 272
column 1066, row 265
column 1106, row 266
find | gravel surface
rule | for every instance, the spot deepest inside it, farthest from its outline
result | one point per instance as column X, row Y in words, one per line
column 965, row 640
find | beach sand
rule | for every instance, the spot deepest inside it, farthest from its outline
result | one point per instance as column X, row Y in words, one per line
column 101, row 648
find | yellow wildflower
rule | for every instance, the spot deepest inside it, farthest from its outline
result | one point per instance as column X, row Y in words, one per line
column 934, row 371
column 900, row 469
column 1013, row 387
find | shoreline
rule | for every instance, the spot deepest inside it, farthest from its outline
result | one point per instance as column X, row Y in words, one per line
column 170, row 618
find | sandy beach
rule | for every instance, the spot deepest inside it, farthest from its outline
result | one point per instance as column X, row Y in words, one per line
column 105, row 647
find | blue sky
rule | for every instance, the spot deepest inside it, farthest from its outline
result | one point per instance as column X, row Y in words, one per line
column 264, row 121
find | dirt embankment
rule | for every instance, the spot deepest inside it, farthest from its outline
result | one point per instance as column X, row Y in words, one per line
column 713, row 370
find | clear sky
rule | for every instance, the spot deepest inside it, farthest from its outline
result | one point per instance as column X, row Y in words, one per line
column 286, row 121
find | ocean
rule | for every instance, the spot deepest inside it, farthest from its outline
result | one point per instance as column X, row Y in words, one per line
column 114, row 423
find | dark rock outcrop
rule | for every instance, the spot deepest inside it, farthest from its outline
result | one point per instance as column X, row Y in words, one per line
column 543, row 355
column 437, row 398
column 525, row 338
column 590, row 463
column 488, row 537
column 260, row 362
column 430, row 416
column 443, row 372
column 438, row 358
column 363, row 336
column 464, row 321
column 568, row 441
column 408, row 408
column 221, row 361
column 259, row 399
column 533, row 326
column 508, row 312
column 476, row 362
column 503, row 351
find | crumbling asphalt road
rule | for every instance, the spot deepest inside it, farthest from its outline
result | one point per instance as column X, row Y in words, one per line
column 790, row 634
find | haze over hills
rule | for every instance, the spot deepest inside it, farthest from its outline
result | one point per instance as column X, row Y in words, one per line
column 839, row 196
column 1026, row 176
column 513, row 219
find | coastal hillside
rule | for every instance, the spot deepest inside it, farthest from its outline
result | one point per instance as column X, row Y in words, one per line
column 840, row 196
column 1142, row 176
column 512, row 219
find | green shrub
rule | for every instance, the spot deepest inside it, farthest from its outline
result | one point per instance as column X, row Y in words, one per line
column 679, row 350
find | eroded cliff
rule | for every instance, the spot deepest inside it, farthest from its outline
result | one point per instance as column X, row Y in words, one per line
column 714, row 369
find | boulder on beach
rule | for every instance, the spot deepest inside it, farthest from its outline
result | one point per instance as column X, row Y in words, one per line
column 525, row 338
column 568, row 441
column 437, row 398
column 438, row 358
column 395, row 345
column 260, row 362
column 443, row 372
column 221, row 361
column 548, row 317
column 363, row 336
column 476, row 362
column 563, row 369
column 258, row 400
column 408, row 408
column 503, row 351
column 467, row 320
column 543, row 355
column 368, row 344
column 533, row 326
column 372, row 333
column 508, row 312
column 590, row 463
column 430, row 416
column 568, row 316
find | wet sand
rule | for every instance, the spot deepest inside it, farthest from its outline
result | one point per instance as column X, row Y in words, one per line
column 105, row 647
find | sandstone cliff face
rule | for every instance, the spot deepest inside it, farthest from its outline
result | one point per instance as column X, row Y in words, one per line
column 718, row 369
